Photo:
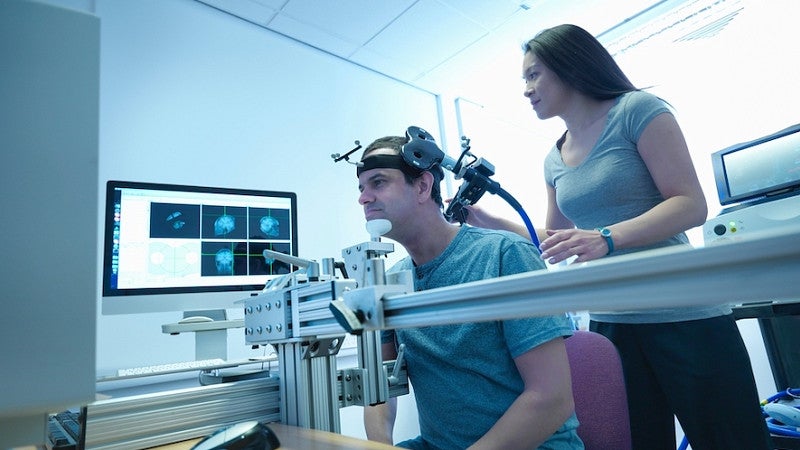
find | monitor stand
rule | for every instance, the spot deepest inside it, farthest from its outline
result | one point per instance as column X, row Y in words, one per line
column 210, row 328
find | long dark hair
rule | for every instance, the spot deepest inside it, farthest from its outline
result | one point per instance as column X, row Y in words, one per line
column 580, row 61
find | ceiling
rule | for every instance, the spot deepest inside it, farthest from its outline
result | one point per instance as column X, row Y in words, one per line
column 443, row 46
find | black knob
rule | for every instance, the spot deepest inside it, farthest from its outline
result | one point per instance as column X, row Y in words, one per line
column 719, row 230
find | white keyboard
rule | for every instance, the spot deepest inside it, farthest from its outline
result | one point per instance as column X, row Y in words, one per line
column 173, row 367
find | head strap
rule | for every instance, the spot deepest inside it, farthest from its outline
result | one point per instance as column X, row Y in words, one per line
column 387, row 162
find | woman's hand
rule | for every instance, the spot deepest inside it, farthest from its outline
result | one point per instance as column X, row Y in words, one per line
column 564, row 244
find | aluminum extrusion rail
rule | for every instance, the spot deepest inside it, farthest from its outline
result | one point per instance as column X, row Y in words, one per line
column 759, row 268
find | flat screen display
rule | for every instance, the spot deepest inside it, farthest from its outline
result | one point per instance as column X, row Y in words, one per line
column 766, row 166
column 174, row 247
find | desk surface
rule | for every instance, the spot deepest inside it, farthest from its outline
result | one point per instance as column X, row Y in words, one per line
column 296, row 438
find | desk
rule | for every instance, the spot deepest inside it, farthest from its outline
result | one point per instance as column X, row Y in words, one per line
column 780, row 331
column 296, row 438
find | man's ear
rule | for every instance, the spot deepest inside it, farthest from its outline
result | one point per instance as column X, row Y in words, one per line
column 424, row 184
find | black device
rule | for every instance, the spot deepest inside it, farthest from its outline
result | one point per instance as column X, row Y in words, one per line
column 67, row 430
column 422, row 153
column 251, row 435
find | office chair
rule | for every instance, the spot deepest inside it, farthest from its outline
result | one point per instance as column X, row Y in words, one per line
column 598, row 387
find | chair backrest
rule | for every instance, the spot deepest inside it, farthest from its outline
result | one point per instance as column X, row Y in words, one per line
column 598, row 387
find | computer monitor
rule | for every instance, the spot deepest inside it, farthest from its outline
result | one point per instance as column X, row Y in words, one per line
column 191, row 248
column 761, row 168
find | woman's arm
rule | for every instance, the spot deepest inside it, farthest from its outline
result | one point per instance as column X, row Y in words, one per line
column 663, row 149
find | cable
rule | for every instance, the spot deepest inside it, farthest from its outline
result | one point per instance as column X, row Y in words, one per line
column 476, row 183
column 518, row 208
column 789, row 392
column 773, row 426
column 776, row 426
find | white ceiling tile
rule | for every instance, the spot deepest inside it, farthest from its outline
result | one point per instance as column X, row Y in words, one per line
column 426, row 35
column 249, row 10
column 489, row 14
column 313, row 36
column 392, row 66
column 353, row 20
column 438, row 45
column 274, row 4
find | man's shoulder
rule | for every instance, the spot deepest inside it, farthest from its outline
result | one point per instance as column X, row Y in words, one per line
column 503, row 238
column 498, row 235
column 516, row 250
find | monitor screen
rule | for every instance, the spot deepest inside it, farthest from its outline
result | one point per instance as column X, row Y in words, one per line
column 189, row 248
column 763, row 167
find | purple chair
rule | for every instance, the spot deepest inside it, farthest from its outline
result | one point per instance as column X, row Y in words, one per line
column 598, row 387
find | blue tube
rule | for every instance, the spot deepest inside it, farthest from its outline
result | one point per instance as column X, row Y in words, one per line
column 773, row 427
column 518, row 208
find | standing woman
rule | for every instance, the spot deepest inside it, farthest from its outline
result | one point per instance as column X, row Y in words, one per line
column 620, row 180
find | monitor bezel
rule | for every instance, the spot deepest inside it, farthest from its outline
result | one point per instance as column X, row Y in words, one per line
column 188, row 298
column 720, row 172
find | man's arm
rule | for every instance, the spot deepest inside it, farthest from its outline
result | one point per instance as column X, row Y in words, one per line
column 542, row 407
column 379, row 419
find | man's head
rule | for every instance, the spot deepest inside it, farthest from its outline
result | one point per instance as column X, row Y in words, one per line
column 386, row 152
column 393, row 190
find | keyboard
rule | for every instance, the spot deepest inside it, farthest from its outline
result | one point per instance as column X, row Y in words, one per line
column 202, row 364
column 64, row 431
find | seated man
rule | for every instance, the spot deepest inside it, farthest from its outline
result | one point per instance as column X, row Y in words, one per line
column 490, row 385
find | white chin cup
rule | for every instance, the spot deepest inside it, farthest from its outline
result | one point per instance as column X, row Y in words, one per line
column 378, row 227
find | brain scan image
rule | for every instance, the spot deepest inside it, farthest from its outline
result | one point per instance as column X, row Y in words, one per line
column 224, row 225
column 173, row 259
column 174, row 220
column 224, row 261
column 270, row 226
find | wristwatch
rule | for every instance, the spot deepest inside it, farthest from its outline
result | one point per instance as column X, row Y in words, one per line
column 606, row 233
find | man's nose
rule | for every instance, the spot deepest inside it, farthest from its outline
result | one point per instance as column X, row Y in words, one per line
column 364, row 198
